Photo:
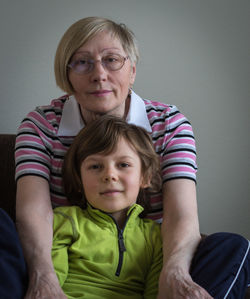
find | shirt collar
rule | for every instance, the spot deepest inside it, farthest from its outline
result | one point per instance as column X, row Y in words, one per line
column 71, row 122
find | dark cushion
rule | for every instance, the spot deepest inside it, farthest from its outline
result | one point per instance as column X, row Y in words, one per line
column 7, row 174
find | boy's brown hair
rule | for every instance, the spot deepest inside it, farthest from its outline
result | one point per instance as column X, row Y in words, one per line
column 101, row 136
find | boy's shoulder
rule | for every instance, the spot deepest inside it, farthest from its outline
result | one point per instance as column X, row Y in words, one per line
column 150, row 223
column 68, row 211
column 151, row 228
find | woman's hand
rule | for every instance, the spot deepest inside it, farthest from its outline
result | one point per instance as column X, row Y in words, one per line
column 175, row 283
column 44, row 285
column 34, row 220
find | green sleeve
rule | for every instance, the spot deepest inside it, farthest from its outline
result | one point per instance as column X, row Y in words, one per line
column 63, row 236
column 152, row 279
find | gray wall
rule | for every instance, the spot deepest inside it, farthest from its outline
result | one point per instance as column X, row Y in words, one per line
column 194, row 54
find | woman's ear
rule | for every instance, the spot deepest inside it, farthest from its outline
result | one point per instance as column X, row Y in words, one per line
column 132, row 75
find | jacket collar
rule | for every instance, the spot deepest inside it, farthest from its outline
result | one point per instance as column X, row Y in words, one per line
column 71, row 122
column 134, row 211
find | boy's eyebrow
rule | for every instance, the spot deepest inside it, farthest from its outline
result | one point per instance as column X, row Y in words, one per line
column 126, row 157
column 89, row 158
column 97, row 157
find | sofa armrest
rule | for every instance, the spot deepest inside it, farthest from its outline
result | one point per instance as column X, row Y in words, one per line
column 7, row 173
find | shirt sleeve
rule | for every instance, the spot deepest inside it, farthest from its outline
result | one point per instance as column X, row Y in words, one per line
column 174, row 141
column 179, row 152
column 32, row 149
column 64, row 234
column 152, row 278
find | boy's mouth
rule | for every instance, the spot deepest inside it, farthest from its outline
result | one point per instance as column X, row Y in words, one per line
column 110, row 192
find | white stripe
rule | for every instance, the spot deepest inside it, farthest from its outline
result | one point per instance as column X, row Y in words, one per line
column 243, row 261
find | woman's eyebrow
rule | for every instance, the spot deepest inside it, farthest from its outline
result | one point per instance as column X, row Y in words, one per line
column 103, row 50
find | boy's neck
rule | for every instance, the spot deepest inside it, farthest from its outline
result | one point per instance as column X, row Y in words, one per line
column 120, row 217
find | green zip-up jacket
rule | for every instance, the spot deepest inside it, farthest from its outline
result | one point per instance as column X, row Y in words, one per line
column 94, row 258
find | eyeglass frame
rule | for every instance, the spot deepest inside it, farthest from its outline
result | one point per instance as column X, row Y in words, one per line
column 93, row 61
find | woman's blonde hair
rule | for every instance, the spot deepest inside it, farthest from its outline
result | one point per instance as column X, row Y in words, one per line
column 102, row 136
column 81, row 32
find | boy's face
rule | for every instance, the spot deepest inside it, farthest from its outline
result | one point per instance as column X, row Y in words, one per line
column 112, row 182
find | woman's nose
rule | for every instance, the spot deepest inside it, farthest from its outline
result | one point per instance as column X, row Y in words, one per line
column 98, row 73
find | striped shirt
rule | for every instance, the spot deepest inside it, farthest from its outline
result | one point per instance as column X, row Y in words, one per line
column 46, row 133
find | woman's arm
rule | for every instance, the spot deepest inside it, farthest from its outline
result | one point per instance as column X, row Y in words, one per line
column 180, row 234
column 34, row 219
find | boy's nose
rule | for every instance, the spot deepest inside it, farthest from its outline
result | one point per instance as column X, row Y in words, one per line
column 110, row 175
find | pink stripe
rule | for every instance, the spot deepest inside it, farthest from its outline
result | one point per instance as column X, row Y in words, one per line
column 29, row 139
column 177, row 169
column 177, row 117
column 156, row 199
column 36, row 167
column 35, row 115
column 155, row 216
column 56, row 181
column 59, row 201
column 180, row 155
column 182, row 140
column 23, row 152
column 59, row 146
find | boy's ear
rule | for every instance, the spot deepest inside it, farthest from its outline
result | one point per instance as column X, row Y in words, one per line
column 145, row 182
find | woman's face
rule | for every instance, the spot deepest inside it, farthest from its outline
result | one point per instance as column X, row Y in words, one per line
column 102, row 91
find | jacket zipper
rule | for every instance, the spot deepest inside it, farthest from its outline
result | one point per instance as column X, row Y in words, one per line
column 122, row 248
column 121, row 245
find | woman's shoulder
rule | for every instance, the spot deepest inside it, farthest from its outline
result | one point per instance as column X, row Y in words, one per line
column 158, row 106
column 45, row 117
column 55, row 106
column 160, row 112
column 162, row 115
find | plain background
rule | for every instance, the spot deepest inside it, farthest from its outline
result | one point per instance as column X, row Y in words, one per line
column 194, row 54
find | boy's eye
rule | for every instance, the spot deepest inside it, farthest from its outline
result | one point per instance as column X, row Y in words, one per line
column 124, row 165
column 95, row 166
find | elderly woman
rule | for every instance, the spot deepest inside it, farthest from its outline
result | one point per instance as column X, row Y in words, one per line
column 95, row 64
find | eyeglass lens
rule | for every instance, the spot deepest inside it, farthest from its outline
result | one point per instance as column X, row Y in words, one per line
column 112, row 62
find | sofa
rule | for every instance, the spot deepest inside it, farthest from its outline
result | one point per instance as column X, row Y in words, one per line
column 7, row 181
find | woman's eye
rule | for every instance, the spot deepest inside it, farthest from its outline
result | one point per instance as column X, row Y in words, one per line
column 81, row 62
column 110, row 59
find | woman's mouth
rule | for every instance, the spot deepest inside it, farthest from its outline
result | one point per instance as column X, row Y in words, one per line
column 100, row 93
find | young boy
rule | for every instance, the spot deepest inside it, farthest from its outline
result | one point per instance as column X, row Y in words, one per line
column 103, row 247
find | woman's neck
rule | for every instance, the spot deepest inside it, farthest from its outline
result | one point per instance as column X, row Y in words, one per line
column 121, row 111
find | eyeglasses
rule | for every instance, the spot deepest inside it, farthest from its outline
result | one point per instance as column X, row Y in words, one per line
column 84, row 65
